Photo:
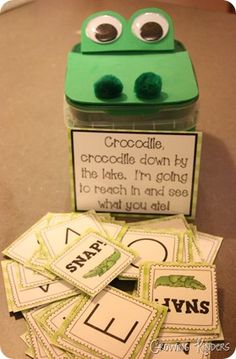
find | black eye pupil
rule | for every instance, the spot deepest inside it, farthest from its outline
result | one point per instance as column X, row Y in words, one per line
column 151, row 31
column 106, row 32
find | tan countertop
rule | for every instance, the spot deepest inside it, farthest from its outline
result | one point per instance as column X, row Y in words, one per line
column 34, row 41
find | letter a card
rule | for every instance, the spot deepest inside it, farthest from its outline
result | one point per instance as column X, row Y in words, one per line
column 92, row 262
column 19, row 298
column 111, row 325
column 189, row 292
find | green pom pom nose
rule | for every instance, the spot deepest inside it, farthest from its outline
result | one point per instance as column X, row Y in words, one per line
column 108, row 87
column 148, row 85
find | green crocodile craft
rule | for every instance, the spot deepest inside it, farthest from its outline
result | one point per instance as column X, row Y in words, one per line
column 104, row 266
column 120, row 62
column 185, row 281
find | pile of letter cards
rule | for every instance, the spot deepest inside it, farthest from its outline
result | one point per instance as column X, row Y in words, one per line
column 61, row 276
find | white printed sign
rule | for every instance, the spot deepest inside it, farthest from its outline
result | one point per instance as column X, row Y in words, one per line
column 135, row 172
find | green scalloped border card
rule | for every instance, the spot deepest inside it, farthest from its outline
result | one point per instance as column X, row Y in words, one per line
column 189, row 291
column 103, row 341
column 92, row 261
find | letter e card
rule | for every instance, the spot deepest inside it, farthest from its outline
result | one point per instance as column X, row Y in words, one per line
column 111, row 325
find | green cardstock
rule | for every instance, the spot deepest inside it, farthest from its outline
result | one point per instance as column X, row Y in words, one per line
column 127, row 41
column 83, row 70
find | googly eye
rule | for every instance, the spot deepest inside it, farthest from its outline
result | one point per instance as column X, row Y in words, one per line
column 150, row 27
column 104, row 29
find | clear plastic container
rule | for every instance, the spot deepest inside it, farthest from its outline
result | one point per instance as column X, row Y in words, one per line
column 132, row 81
column 162, row 118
